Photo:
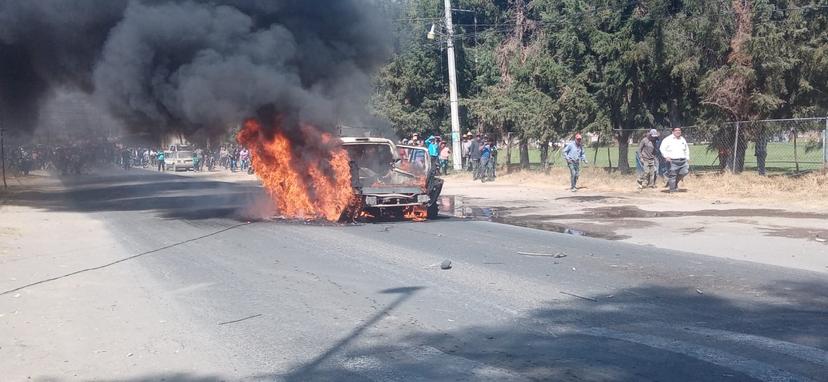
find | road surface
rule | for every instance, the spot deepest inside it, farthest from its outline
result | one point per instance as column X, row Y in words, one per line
column 198, row 285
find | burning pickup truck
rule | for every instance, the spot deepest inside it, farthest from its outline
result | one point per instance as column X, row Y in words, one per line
column 390, row 180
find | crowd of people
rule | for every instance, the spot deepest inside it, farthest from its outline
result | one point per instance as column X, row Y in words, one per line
column 479, row 154
column 65, row 159
column 231, row 157
column 83, row 157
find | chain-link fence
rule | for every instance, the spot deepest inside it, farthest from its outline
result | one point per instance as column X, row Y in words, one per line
column 764, row 146
column 782, row 146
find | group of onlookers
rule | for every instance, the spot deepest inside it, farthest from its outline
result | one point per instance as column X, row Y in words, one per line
column 479, row 154
column 438, row 151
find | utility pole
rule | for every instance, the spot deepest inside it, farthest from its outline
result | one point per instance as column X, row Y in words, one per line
column 456, row 148
column 3, row 153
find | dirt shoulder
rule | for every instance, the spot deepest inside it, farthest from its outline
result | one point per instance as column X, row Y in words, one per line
column 709, row 216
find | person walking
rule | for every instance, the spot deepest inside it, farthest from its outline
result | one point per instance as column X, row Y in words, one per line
column 160, row 159
column 647, row 156
column 676, row 152
column 574, row 154
column 474, row 155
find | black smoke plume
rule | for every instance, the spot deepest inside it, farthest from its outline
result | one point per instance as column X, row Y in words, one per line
column 182, row 66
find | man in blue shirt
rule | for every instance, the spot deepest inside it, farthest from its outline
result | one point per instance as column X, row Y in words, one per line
column 574, row 154
column 433, row 143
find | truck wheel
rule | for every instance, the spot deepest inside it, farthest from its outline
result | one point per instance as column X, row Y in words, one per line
column 433, row 210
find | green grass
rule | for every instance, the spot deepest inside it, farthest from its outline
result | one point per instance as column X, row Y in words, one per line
column 780, row 157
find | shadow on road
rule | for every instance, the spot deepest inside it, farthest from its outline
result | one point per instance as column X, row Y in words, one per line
column 171, row 196
column 640, row 334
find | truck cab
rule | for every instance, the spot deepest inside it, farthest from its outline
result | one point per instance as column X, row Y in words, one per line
column 391, row 180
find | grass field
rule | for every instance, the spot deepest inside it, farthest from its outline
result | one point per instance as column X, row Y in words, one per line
column 781, row 157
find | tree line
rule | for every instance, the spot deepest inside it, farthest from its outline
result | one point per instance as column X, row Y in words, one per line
column 540, row 70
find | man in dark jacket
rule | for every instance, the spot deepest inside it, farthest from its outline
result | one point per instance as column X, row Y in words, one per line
column 647, row 155
column 474, row 155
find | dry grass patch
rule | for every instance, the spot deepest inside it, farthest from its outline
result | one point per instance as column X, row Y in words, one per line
column 809, row 190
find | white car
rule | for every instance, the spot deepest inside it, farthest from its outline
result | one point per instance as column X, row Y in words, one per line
column 178, row 160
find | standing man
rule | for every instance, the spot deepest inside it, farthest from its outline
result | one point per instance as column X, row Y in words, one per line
column 465, row 147
column 474, row 155
column 574, row 154
column 244, row 158
column 761, row 152
column 160, row 159
column 676, row 152
column 433, row 143
column 445, row 154
column 485, row 159
column 646, row 153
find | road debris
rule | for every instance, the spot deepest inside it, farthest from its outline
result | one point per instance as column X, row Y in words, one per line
column 556, row 255
column 130, row 355
column 581, row 297
column 819, row 239
column 446, row 264
column 239, row 320
column 699, row 291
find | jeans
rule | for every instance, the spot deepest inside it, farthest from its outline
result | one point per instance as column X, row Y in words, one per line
column 647, row 178
column 678, row 169
column 475, row 165
column 482, row 168
column 444, row 166
column 574, row 172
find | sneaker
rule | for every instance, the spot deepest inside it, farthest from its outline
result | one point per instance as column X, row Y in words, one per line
column 574, row 189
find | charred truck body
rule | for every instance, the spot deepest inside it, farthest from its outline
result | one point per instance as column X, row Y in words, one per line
column 390, row 180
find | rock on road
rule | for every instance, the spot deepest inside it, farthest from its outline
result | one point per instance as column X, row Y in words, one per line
column 256, row 299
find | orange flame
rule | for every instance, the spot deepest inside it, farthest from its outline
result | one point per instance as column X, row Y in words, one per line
column 416, row 213
column 308, row 177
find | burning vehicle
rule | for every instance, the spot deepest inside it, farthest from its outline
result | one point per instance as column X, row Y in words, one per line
column 310, row 174
column 390, row 180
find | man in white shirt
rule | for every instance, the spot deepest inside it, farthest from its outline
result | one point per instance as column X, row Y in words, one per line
column 675, row 150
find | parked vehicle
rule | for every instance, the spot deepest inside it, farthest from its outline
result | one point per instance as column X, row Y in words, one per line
column 178, row 160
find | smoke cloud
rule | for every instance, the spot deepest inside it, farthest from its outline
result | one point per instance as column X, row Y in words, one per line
column 162, row 66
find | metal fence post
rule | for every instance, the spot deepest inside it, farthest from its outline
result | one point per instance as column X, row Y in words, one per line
column 825, row 145
column 735, row 147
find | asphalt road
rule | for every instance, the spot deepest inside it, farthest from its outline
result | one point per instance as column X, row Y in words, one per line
column 368, row 302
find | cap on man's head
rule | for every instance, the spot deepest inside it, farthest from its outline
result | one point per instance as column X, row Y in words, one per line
column 578, row 136
column 654, row 133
